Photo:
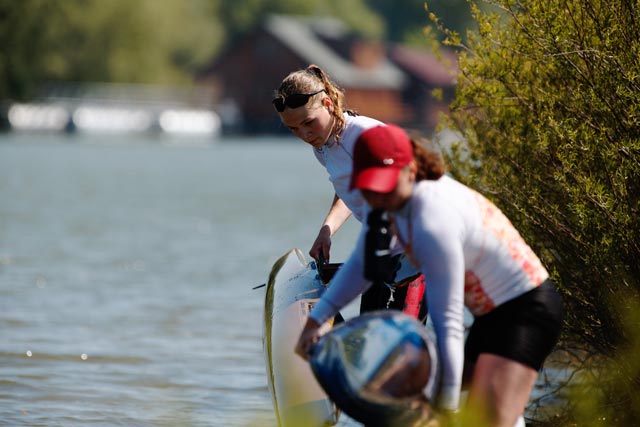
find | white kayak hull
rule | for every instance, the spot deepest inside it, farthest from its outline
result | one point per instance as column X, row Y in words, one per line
column 293, row 288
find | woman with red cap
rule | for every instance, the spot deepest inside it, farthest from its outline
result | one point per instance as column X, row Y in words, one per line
column 311, row 106
column 471, row 255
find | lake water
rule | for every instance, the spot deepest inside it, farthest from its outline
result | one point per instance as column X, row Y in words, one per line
column 126, row 268
column 126, row 274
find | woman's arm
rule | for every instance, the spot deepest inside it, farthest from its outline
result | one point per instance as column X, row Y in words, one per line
column 438, row 248
column 345, row 286
column 338, row 214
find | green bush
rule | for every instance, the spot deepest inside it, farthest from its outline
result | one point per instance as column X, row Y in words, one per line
column 548, row 102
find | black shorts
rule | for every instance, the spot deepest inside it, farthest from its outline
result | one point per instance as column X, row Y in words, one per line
column 524, row 329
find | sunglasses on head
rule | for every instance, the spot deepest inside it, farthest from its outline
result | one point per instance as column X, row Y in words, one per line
column 294, row 100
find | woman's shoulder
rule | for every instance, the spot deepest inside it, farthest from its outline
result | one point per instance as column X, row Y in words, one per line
column 359, row 120
column 434, row 186
column 445, row 198
column 440, row 192
column 355, row 125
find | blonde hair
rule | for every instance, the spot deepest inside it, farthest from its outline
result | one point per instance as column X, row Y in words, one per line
column 313, row 79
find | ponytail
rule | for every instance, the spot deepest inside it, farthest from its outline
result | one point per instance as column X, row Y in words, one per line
column 430, row 165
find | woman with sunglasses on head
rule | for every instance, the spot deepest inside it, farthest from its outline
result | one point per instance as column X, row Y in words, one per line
column 471, row 255
column 311, row 106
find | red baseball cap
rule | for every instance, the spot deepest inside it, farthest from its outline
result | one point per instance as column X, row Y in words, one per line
column 379, row 155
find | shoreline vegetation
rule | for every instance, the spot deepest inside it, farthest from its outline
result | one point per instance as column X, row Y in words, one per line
column 548, row 106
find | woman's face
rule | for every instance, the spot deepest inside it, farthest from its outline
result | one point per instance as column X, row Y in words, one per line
column 312, row 122
column 397, row 197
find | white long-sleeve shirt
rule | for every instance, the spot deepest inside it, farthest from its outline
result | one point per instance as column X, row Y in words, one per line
column 337, row 158
column 470, row 254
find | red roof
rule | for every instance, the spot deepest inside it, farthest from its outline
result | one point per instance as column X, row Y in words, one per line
column 425, row 65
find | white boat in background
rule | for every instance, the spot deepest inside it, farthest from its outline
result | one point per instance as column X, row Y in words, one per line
column 189, row 112
column 38, row 117
column 111, row 119
column 190, row 122
column 180, row 124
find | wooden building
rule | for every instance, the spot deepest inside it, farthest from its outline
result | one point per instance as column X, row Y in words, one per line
column 391, row 84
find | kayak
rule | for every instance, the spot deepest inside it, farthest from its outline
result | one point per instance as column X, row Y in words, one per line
column 294, row 286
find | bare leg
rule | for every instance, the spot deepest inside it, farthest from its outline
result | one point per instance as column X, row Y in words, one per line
column 499, row 390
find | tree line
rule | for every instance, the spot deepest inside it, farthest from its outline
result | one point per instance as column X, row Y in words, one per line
column 164, row 42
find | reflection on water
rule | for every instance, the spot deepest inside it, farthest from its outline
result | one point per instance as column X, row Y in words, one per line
column 126, row 269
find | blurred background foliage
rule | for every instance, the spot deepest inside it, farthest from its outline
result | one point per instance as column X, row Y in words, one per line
column 113, row 41
column 166, row 42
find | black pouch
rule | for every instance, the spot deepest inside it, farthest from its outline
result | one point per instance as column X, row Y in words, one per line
column 379, row 266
